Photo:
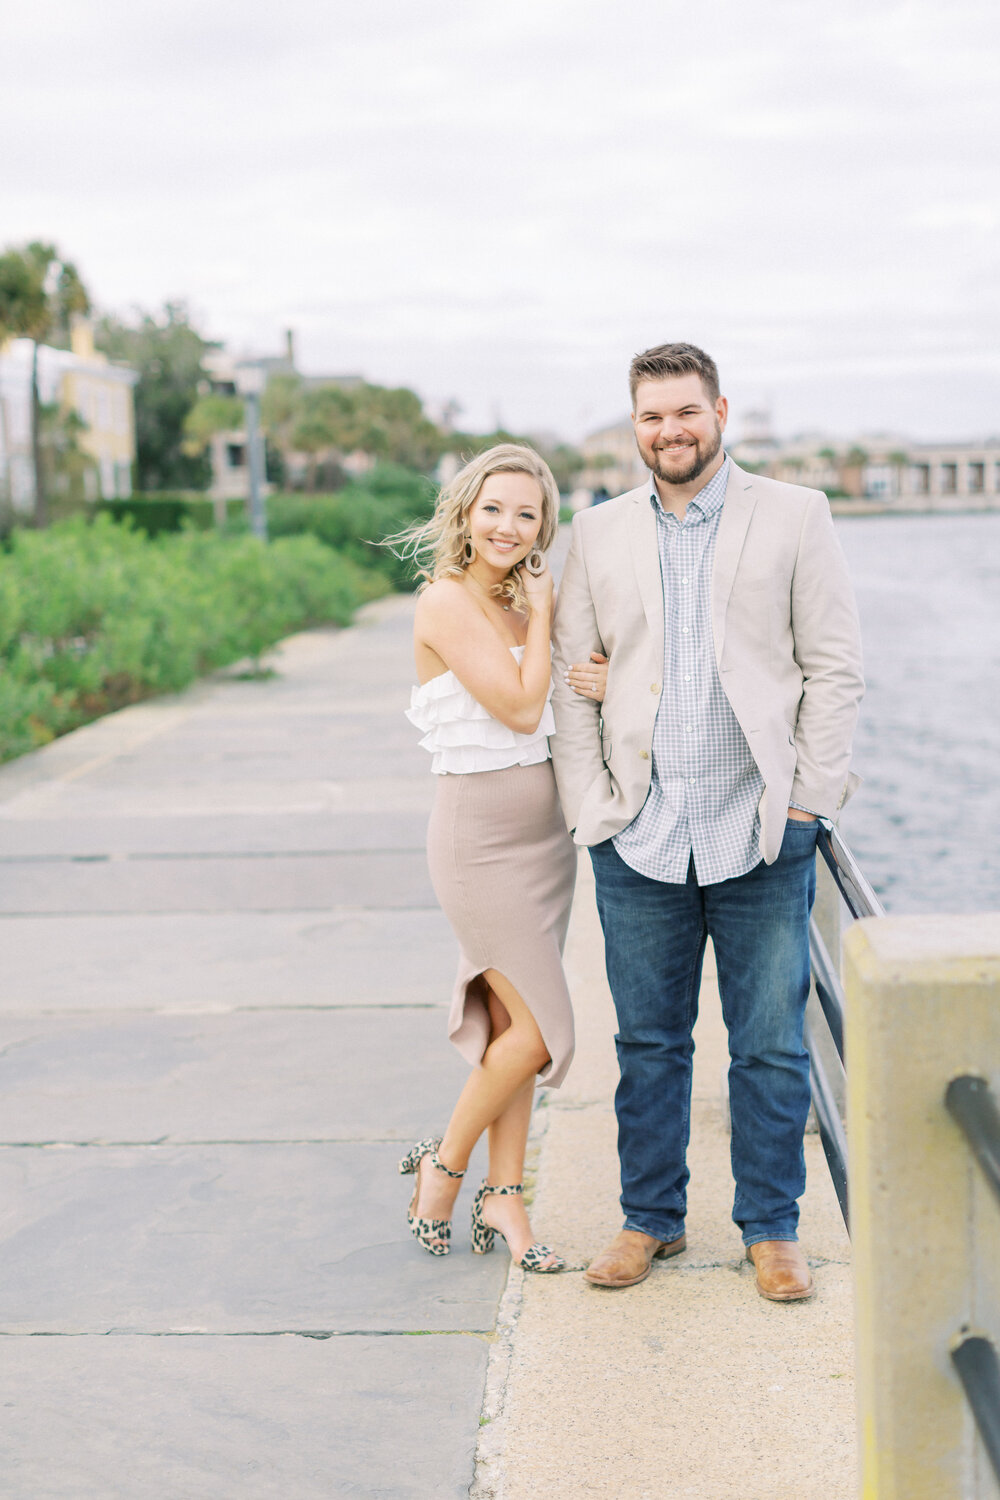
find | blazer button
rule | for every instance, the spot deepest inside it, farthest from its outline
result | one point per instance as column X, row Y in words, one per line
column 643, row 754
column 654, row 687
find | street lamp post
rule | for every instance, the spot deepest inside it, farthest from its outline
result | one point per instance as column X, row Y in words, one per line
column 250, row 384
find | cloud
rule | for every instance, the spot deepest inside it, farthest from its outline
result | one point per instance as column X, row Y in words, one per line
column 504, row 203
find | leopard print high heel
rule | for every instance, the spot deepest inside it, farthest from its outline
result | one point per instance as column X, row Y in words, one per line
column 433, row 1234
column 483, row 1234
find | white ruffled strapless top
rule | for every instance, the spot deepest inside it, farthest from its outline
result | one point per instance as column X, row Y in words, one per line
column 463, row 737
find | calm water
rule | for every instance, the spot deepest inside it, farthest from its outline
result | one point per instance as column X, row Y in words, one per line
column 926, row 823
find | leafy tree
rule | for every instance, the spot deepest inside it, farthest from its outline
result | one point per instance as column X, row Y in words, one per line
column 564, row 460
column 327, row 422
column 167, row 352
column 565, row 463
column 39, row 294
column 209, row 415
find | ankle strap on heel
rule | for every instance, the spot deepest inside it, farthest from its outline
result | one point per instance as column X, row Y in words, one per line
column 437, row 1162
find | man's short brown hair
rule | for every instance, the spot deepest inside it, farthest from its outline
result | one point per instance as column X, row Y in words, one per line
column 674, row 359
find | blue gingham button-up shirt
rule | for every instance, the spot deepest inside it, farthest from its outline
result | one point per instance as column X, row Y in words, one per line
column 705, row 786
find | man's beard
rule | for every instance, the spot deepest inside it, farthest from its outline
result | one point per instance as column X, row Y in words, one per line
column 700, row 460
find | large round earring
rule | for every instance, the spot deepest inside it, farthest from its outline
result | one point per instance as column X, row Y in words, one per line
column 535, row 562
column 469, row 551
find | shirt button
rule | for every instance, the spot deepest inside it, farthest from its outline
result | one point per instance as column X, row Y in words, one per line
column 683, row 580
column 685, row 630
column 687, row 676
column 654, row 687
column 692, row 779
column 643, row 754
column 689, row 728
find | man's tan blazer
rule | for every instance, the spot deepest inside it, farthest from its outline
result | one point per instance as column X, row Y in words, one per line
column 787, row 646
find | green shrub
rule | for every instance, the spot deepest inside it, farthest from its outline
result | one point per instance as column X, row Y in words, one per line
column 354, row 521
column 97, row 615
column 357, row 519
column 156, row 514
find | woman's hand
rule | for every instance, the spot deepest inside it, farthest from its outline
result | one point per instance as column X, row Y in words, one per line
column 537, row 589
column 589, row 679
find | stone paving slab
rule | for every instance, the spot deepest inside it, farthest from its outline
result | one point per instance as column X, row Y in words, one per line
column 227, row 1239
column 345, row 751
column 69, row 838
column 224, row 960
column 58, row 798
column 215, row 1419
column 309, row 882
column 127, row 1078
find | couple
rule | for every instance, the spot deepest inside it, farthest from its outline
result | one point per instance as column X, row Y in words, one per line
column 693, row 766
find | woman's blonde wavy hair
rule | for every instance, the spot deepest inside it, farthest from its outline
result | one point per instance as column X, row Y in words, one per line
column 438, row 546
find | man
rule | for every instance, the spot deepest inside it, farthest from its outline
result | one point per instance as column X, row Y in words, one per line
column 723, row 602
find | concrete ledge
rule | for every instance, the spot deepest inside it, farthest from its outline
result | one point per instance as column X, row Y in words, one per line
column 923, row 1007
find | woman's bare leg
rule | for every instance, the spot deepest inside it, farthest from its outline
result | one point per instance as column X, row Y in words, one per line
column 508, row 1136
column 497, row 1097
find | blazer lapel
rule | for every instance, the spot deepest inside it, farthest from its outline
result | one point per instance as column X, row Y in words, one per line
column 737, row 508
column 646, row 562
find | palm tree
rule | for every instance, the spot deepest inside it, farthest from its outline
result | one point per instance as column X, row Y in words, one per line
column 900, row 461
column 39, row 293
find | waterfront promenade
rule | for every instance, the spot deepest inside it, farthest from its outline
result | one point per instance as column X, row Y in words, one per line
column 223, row 986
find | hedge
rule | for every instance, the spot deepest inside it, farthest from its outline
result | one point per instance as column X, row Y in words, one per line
column 354, row 521
column 95, row 615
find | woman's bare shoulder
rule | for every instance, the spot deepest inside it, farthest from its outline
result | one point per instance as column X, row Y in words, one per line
column 444, row 598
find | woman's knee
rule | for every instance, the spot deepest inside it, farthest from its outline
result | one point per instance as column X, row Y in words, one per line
column 529, row 1044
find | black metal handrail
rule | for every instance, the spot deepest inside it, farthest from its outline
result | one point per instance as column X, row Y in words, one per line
column 861, row 901
column 972, row 1105
column 975, row 1360
column 859, row 897
column 970, row 1102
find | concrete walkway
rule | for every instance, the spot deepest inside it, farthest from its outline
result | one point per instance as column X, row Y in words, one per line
column 223, row 984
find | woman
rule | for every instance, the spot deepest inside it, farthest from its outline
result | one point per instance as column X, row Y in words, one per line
column 501, row 861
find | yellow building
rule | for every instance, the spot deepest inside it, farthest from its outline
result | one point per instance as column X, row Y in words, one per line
column 101, row 394
column 81, row 380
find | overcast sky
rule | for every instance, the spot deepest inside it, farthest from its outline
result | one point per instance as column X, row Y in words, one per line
column 501, row 203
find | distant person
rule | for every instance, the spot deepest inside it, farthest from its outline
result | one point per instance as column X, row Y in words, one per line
column 501, row 861
column 599, row 496
column 723, row 601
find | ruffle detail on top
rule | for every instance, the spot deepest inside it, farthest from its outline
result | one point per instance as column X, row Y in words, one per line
column 463, row 737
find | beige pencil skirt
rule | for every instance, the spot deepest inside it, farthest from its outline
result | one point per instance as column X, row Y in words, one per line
column 503, row 867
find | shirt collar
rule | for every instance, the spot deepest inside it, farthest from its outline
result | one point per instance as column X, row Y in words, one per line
column 708, row 499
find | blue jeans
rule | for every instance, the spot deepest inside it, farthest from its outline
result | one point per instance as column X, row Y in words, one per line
column 654, row 938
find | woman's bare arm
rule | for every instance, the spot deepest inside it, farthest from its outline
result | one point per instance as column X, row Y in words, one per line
column 450, row 622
